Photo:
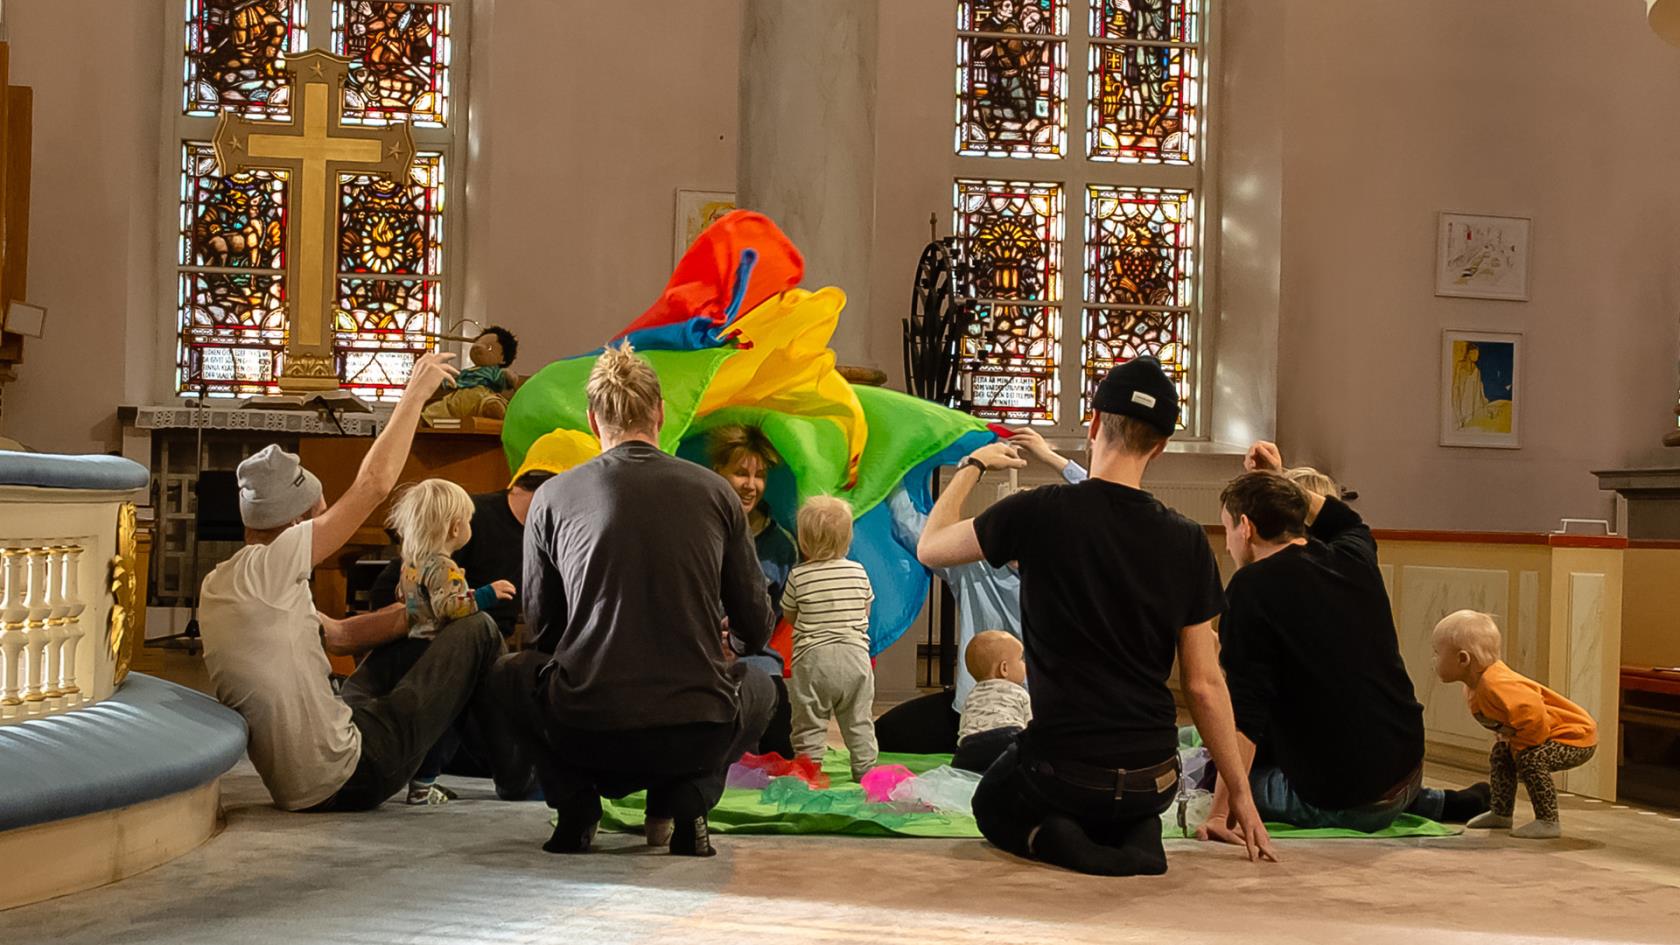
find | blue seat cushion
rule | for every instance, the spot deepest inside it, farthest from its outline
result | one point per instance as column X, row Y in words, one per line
column 57, row 471
column 150, row 739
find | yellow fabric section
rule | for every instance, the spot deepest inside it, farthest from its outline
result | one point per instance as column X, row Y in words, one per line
column 784, row 364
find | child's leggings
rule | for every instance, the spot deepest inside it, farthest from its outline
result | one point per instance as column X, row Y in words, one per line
column 1534, row 767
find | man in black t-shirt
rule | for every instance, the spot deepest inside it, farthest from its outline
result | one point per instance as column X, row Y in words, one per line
column 1113, row 586
column 1316, row 677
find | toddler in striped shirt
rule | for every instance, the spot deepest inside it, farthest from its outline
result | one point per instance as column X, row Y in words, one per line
column 827, row 599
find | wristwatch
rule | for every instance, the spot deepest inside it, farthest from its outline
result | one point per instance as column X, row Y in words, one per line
column 971, row 461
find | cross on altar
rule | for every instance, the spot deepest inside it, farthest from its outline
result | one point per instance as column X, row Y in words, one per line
column 314, row 149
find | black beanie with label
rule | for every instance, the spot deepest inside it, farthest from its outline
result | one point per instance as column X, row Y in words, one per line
column 1140, row 388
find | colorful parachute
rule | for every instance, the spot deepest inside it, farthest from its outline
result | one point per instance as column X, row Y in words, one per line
column 734, row 340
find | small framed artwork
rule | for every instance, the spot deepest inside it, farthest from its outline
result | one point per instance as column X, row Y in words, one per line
column 1482, row 257
column 1481, row 389
column 696, row 210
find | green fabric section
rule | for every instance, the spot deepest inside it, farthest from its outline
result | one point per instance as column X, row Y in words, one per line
column 814, row 449
column 904, row 431
column 791, row 808
column 553, row 398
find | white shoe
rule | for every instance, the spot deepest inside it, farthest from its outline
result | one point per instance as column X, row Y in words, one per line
column 1488, row 820
column 1539, row 830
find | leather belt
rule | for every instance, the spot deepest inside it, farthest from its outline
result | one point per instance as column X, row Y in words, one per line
column 1156, row 779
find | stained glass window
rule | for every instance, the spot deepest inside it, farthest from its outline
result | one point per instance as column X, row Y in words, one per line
column 229, row 283
column 1140, row 281
column 1144, row 81
column 234, row 50
column 390, row 263
column 401, row 54
column 1011, row 234
column 1012, row 78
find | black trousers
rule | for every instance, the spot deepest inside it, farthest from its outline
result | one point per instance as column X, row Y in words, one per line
column 403, row 697
column 977, row 752
column 682, row 767
column 1013, row 801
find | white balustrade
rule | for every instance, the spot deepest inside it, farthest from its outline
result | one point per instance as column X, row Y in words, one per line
column 41, row 612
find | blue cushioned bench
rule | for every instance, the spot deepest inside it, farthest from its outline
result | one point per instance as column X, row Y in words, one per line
column 150, row 739
column 57, row 471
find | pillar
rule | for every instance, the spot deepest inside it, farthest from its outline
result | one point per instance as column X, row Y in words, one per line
column 807, row 142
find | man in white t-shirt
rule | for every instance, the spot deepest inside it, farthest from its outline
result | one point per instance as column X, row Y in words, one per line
column 263, row 640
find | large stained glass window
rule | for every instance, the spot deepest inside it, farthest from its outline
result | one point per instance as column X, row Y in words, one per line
column 1012, row 234
column 1139, row 182
column 1140, row 275
column 1143, row 84
column 1012, row 78
column 390, row 266
column 401, row 55
column 233, row 54
column 390, row 260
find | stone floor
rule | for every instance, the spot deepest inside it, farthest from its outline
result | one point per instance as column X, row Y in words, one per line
column 470, row 872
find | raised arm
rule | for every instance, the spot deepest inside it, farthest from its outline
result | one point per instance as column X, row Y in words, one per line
column 948, row 539
column 1210, row 706
column 384, row 460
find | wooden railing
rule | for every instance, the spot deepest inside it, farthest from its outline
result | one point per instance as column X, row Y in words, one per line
column 41, row 630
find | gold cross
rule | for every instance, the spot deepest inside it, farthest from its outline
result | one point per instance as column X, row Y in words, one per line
column 315, row 149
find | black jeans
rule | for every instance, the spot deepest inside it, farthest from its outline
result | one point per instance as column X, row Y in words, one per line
column 1013, row 801
column 682, row 767
column 977, row 752
column 404, row 696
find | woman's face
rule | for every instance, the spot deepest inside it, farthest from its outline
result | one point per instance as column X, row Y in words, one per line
column 745, row 472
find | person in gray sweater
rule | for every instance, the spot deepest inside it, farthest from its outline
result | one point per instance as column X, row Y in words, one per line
column 634, row 561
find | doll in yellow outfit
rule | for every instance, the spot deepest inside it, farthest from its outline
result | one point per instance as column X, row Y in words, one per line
column 1538, row 731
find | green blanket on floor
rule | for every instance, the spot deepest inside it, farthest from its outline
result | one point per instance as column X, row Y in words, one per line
column 789, row 808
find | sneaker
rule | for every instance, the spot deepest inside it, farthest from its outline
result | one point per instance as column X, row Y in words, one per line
column 692, row 840
column 430, row 795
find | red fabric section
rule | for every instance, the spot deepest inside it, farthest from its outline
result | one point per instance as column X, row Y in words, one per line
column 703, row 281
column 781, row 640
column 774, row 765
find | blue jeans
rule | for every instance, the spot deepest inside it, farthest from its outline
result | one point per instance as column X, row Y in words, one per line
column 1277, row 801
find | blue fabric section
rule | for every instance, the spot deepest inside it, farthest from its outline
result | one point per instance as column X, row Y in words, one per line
column 899, row 580
column 485, row 597
column 149, row 740
column 57, row 471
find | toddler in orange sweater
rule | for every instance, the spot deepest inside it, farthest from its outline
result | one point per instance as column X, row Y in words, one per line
column 1538, row 731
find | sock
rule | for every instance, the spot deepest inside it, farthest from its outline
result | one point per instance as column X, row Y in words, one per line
column 1460, row 806
column 1539, row 830
column 1062, row 842
column 1488, row 820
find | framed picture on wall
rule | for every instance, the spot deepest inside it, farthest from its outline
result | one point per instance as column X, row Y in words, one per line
column 696, row 210
column 1481, row 389
column 1482, row 257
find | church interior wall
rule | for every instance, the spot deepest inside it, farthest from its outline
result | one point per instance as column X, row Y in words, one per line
column 586, row 120
column 1394, row 111
column 94, row 67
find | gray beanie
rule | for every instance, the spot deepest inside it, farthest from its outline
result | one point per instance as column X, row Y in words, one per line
column 275, row 489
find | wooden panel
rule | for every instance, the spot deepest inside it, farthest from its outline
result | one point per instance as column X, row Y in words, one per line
column 20, row 105
column 5, row 166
